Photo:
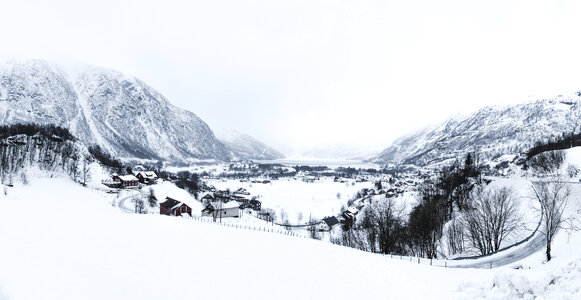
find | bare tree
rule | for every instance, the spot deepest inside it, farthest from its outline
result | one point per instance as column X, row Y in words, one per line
column 86, row 169
column 139, row 205
column 389, row 222
column 313, row 230
column 547, row 162
column 217, row 212
column 299, row 217
column 572, row 171
column 369, row 226
column 151, row 198
column 74, row 166
column 283, row 216
column 455, row 235
column 553, row 197
column 492, row 218
column 351, row 238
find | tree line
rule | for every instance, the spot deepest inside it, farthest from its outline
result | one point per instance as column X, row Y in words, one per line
column 49, row 147
column 31, row 129
column 566, row 141
column 488, row 217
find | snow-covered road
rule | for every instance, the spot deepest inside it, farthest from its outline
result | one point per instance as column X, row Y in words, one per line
column 528, row 248
column 121, row 203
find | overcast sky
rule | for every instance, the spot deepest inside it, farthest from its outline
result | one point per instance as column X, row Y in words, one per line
column 299, row 73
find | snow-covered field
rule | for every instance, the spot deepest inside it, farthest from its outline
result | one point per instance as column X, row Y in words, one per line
column 63, row 241
column 60, row 240
column 319, row 199
column 69, row 242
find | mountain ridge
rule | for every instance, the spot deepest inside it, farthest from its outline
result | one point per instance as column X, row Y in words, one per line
column 490, row 132
column 121, row 113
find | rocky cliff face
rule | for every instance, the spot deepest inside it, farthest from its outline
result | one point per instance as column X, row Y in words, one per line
column 100, row 106
column 491, row 132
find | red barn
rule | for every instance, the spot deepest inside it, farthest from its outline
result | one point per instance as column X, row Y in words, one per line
column 173, row 207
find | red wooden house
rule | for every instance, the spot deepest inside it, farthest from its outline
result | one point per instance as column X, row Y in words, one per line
column 173, row 207
column 126, row 180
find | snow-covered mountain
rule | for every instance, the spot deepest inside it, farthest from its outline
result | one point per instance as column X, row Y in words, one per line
column 99, row 106
column 491, row 131
column 246, row 147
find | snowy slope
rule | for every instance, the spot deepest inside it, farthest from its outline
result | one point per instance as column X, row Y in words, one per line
column 247, row 147
column 101, row 106
column 75, row 245
column 491, row 131
column 534, row 278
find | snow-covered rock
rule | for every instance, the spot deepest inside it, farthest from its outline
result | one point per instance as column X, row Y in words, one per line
column 99, row 106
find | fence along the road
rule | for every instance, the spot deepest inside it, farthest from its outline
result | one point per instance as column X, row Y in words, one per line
column 412, row 259
column 246, row 227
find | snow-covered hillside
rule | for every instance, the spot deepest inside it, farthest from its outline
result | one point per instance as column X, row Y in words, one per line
column 247, row 147
column 491, row 131
column 72, row 244
column 99, row 106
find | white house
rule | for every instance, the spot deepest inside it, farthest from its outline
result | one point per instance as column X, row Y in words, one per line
column 222, row 210
column 328, row 223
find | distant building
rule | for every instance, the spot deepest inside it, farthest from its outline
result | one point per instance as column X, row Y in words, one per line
column 127, row 181
column 173, row 207
column 139, row 168
column 328, row 223
column 146, row 177
column 123, row 181
column 207, row 197
column 349, row 215
column 222, row 210
column 254, row 204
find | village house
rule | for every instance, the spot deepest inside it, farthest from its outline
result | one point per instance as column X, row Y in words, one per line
column 120, row 182
column 207, row 197
column 173, row 207
column 328, row 223
column 146, row 177
column 127, row 181
column 349, row 214
column 222, row 210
